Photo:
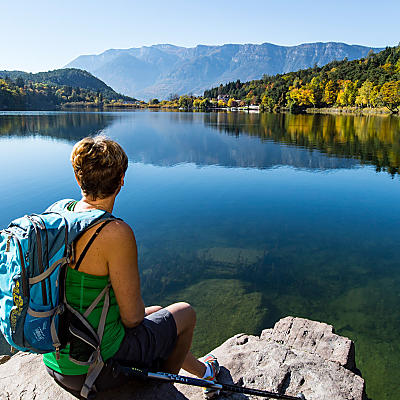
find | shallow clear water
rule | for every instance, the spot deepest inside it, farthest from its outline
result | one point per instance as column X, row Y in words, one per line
column 249, row 217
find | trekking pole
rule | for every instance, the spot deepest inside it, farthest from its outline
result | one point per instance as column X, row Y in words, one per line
column 164, row 376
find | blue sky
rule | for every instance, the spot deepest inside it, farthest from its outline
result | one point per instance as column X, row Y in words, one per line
column 39, row 35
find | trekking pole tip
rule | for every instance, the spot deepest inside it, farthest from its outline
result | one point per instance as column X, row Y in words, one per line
column 301, row 396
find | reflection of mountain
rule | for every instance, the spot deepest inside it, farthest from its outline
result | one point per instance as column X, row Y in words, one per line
column 168, row 139
column 249, row 140
column 58, row 125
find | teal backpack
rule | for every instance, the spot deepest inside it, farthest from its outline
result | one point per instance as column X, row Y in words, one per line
column 35, row 317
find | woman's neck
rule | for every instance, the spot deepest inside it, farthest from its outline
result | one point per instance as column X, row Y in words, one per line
column 85, row 203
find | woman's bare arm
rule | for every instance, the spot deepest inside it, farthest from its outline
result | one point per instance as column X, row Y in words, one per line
column 121, row 254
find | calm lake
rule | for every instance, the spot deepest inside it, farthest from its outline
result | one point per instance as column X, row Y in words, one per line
column 249, row 217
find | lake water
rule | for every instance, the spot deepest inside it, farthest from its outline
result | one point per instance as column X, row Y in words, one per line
column 249, row 217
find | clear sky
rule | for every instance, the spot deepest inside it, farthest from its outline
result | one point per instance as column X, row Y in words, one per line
column 39, row 35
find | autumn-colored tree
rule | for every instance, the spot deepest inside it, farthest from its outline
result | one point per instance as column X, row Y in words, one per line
column 390, row 95
column 330, row 93
column 196, row 103
column 388, row 67
column 232, row 103
column 221, row 103
column 302, row 97
column 375, row 96
column 347, row 93
column 364, row 96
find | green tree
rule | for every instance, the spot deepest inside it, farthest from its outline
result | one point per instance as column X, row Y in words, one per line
column 185, row 102
column 267, row 103
column 317, row 88
column 20, row 82
column 205, row 104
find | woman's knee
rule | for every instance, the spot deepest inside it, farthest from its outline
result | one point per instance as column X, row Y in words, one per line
column 184, row 315
column 187, row 309
column 152, row 309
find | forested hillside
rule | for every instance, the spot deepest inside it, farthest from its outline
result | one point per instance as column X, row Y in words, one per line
column 49, row 90
column 373, row 81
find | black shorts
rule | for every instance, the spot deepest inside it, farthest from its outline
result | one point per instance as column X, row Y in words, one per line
column 150, row 343
column 146, row 346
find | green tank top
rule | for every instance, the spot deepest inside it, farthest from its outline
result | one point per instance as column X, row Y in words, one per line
column 81, row 290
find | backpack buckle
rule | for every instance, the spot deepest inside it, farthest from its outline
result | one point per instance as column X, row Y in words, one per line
column 70, row 256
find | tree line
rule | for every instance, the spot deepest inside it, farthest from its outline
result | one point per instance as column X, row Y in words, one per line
column 23, row 91
column 373, row 81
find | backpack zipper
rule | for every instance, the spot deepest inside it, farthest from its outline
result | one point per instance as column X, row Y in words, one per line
column 11, row 235
column 82, row 339
column 42, row 226
column 40, row 256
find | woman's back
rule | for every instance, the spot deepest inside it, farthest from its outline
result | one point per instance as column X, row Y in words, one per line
column 82, row 287
column 154, row 337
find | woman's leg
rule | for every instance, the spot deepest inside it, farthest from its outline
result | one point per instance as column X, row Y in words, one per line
column 152, row 309
column 185, row 320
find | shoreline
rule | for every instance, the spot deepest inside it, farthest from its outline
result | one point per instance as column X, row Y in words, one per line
column 350, row 110
column 321, row 111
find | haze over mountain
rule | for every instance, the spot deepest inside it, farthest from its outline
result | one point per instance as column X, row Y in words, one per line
column 164, row 69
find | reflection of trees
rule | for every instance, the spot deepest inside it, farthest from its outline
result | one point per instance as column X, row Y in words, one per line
column 178, row 137
column 181, row 137
column 69, row 126
column 371, row 139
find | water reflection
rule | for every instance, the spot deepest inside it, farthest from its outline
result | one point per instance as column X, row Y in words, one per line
column 370, row 139
column 311, row 141
column 261, row 242
column 57, row 125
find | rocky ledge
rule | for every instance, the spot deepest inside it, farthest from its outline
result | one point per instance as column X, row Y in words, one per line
column 297, row 355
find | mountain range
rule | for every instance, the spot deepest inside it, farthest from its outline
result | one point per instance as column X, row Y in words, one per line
column 161, row 70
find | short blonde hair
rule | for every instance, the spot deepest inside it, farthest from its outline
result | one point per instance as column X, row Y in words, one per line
column 99, row 164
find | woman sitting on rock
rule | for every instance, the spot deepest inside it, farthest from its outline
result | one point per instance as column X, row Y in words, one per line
column 149, row 337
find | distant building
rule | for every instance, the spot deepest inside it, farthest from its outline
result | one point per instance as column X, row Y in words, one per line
column 223, row 97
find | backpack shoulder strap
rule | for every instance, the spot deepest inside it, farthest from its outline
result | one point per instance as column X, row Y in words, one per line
column 89, row 243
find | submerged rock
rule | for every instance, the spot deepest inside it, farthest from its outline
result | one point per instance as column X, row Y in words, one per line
column 297, row 355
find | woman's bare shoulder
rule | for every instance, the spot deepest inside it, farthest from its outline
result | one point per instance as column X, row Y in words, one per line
column 118, row 230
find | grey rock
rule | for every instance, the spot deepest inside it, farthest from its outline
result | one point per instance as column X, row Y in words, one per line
column 297, row 355
column 313, row 338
